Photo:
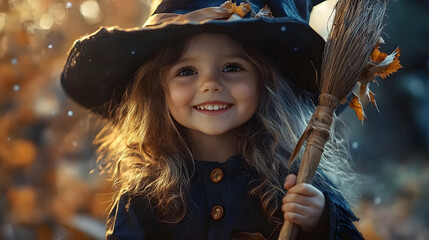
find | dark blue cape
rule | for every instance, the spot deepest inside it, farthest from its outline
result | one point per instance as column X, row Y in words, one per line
column 133, row 218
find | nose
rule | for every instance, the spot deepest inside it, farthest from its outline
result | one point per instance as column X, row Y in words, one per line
column 211, row 83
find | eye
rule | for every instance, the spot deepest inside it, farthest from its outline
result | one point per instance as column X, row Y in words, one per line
column 186, row 71
column 233, row 67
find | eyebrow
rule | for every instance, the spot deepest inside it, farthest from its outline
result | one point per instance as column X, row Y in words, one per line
column 185, row 60
column 241, row 56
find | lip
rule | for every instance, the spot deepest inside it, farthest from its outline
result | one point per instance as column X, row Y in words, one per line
column 214, row 102
column 213, row 112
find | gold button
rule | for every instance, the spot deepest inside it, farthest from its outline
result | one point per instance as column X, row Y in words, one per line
column 217, row 212
column 216, row 175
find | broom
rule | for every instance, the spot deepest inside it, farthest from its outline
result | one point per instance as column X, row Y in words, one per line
column 347, row 59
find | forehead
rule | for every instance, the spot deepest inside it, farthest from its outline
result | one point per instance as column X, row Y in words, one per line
column 212, row 43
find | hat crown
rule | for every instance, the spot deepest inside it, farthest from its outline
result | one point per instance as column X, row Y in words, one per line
column 297, row 9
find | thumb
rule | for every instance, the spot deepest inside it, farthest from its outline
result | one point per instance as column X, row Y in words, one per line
column 290, row 181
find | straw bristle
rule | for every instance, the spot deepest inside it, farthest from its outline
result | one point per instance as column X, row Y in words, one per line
column 357, row 28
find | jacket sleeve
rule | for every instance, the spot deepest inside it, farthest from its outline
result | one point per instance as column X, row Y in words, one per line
column 124, row 221
column 340, row 219
column 336, row 222
column 337, row 218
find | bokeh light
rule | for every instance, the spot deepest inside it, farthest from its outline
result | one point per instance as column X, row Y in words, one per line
column 58, row 12
column 90, row 10
column 3, row 18
column 45, row 104
column 46, row 21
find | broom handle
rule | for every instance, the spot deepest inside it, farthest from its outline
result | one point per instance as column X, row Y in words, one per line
column 309, row 164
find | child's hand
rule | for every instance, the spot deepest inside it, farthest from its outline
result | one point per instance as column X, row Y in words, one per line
column 303, row 204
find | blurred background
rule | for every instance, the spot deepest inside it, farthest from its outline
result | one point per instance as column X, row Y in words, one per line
column 50, row 185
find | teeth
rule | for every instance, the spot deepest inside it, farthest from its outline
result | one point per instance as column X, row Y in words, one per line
column 212, row 107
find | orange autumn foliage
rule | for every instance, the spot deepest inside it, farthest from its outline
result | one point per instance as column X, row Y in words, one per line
column 378, row 57
column 241, row 10
column 357, row 107
column 380, row 64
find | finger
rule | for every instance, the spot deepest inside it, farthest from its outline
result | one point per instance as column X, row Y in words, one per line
column 304, row 189
column 294, row 218
column 290, row 181
column 297, row 198
column 296, row 208
column 304, row 216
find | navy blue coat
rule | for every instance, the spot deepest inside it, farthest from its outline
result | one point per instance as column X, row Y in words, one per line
column 134, row 219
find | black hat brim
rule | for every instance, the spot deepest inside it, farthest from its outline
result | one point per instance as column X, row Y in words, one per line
column 101, row 65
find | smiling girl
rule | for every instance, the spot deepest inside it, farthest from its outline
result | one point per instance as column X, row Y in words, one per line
column 200, row 137
column 211, row 91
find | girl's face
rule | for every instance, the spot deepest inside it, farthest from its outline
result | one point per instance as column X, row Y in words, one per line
column 213, row 87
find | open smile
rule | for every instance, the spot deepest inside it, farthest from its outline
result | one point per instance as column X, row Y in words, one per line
column 213, row 108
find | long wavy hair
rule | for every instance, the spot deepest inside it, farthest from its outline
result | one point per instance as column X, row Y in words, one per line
column 149, row 156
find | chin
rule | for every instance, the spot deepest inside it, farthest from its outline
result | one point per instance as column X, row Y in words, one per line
column 219, row 130
column 213, row 132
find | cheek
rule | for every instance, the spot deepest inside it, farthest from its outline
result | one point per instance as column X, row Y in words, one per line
column 179, row 98
column 247, row 94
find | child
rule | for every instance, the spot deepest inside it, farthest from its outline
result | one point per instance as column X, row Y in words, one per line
column 201, row 133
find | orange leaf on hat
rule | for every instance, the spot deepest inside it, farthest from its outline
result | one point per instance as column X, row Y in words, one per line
column 264, row 12
column 241, row 10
